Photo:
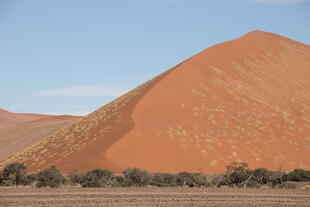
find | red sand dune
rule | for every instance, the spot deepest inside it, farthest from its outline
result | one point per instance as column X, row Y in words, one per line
column 20, row 131
column 243, row 100
column 10, row 119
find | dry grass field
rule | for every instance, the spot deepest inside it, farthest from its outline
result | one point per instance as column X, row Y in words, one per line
column 151, row 197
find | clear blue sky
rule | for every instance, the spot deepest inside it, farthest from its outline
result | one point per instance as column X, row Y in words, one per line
column 73, row 56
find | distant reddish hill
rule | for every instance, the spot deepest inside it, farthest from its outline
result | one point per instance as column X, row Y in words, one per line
column 10, row 119
column 20, row 131
column 243, row 100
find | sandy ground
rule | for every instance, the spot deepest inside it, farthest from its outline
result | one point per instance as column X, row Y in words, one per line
column 151, row 197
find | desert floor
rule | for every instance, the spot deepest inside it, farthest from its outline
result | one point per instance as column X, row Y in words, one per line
column 152, row 197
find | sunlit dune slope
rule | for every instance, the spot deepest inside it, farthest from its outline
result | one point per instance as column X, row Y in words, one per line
column 243, row 100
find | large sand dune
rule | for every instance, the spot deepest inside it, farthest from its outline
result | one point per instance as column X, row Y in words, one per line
column 243, row 100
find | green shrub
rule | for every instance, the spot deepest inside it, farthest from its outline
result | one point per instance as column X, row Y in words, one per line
column 2, row 180
column 14, row 172
column 120, row 181
column 237, row 174
column 97, row 178
column 262, row 175
column 200, row 180
column 192, row 179
column 137, row 176
column 185, row 179
column 50, row 177
column 76, row 178
column 28, row 179
column 164, row 179
column 298, row 175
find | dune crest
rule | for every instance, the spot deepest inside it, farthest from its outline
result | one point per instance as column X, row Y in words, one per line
column 10, row 119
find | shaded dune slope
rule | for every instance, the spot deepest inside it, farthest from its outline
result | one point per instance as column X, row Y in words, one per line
column 242, row 100
column 82, row 145
column 17, row 137
column 10, row 119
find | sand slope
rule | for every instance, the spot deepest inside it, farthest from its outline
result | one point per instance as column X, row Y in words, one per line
column 242, row 100
column 20, row 131
column 10, row 119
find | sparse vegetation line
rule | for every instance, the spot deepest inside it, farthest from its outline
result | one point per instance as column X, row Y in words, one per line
column 237, row 175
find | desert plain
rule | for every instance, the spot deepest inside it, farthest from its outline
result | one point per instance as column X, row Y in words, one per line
column 154, row 197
